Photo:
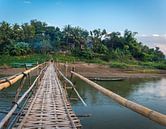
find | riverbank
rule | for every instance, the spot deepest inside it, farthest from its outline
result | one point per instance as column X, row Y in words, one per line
column 98, row 71
column 105, row 71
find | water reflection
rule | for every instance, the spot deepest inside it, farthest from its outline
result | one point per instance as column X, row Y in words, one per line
column 106, row 114
column 158, row 89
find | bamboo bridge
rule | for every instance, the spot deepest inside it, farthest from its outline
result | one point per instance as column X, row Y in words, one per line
column 45, row 104
column 47, row 108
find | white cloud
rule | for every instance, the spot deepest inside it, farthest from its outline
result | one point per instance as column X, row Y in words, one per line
column 144, row 35
column 155, row 35
column 154, row 40
column 49, row 24
column 27, row 2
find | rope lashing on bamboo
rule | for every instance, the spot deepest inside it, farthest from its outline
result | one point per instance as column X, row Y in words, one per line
column 149, row 113
column 3, row 79
column 7, row 80
column 11, row 81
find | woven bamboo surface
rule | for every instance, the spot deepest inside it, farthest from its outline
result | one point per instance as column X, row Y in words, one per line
column 49, row 107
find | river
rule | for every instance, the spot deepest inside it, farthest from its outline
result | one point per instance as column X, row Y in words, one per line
column 105, row 113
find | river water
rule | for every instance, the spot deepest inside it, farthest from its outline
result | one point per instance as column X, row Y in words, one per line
column 105, row 113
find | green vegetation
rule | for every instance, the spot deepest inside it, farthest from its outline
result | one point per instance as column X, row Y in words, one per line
column 36, row 41
column 7, row 60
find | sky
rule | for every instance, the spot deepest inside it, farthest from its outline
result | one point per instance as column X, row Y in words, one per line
column 147, row 17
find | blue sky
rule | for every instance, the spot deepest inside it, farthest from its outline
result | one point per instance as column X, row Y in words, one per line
column 147, row 17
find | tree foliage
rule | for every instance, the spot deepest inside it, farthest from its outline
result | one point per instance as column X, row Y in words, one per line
column 38, row 37
column 17, row 49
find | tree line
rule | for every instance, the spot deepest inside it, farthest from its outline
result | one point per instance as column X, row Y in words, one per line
column 38, row 37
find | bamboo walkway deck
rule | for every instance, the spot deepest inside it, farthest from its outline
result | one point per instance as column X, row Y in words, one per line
column 49, row 107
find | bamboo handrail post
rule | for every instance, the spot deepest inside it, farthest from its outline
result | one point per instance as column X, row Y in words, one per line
column 29, row 76
column 66, row 76
column 71, row 75
column 20, row 88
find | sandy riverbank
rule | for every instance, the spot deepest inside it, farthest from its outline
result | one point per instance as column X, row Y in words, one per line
column 96, row 70
column 102, row 71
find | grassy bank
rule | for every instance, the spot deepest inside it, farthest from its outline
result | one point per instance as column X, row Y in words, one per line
column 138, row 65
column 8, row 61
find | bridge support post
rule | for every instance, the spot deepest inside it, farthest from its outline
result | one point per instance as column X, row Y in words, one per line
column 38, row 72
column 20, row 88
column 56, row 64
column 71, row 75
column 66, row 68
column 29, row 75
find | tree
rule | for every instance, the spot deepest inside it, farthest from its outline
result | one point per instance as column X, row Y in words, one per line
column 54, row 35
column 17, row 33
column 74, row 37
column 28, row 32
column 114, row 41
column 38, row 37
column 5, row 35
column 96, row 36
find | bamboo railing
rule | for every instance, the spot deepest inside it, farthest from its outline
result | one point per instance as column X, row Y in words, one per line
column 13, row 79
column 72, row 85
column 15, row 106
column 149, row 113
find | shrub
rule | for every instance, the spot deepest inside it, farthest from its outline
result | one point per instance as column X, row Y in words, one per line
column 18, row 49
column 118, row 65
column 84, row 54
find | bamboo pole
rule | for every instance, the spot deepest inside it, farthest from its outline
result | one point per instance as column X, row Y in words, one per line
column 149, row 113
column 11, row 81
column 19, row 89
column 3, row 79
column 65, row 73
column 66, row 68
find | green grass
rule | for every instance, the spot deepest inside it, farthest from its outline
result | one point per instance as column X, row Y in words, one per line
column 114, row 64
column 156, row 65
column 95, row 61
column 65, row 58
column 7, row 61
column 145, row 66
